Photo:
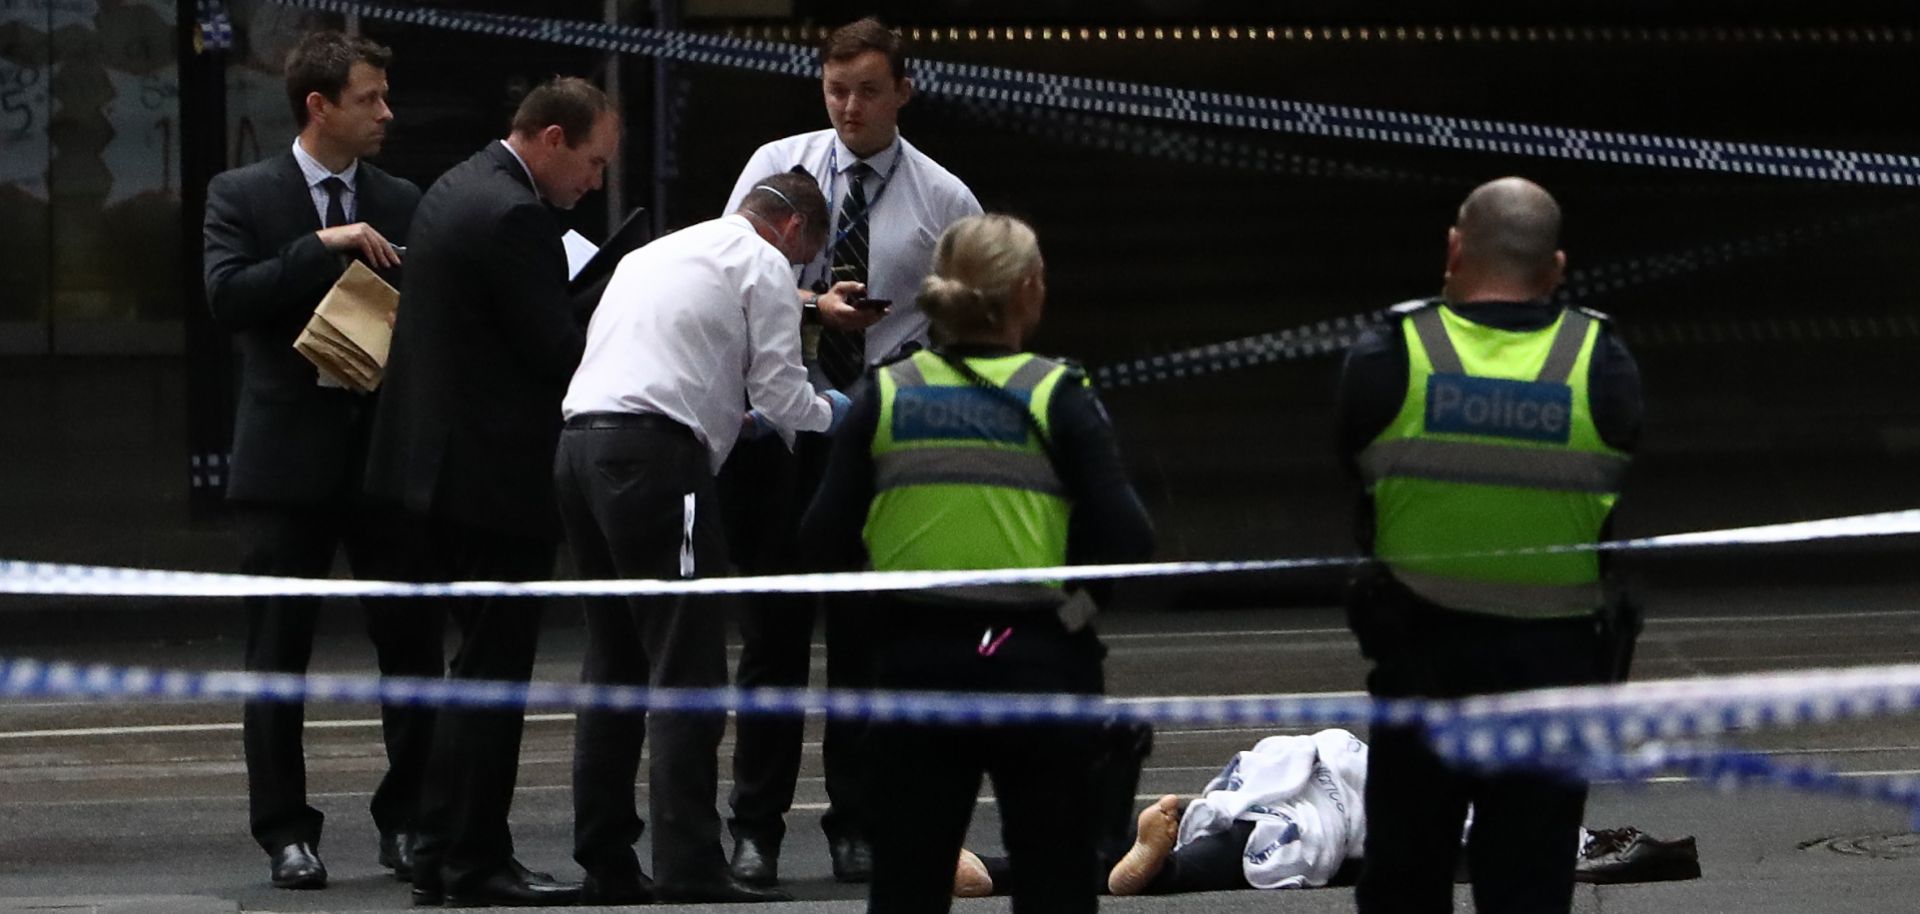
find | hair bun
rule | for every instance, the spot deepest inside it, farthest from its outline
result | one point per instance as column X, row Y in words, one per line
column 944, row 296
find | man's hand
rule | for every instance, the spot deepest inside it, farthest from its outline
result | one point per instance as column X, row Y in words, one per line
column 836, row 313
column 840, row 404
column 362, row 239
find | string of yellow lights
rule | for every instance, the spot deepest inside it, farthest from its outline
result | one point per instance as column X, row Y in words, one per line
column 1513, row 34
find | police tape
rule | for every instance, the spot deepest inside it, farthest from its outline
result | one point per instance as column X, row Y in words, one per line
column 1100, row 96
column 1145, row 140
column 1473, row 733
column 1627, row 732
column 48, row 579
column 1635, row 731
column 1185, row 145
column 1333, row 336
column 1322, row 338
column 1577, row 720
column 1728, row 769
column 22, row 678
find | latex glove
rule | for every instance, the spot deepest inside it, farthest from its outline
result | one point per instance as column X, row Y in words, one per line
column 754, row 426
column 840, row 404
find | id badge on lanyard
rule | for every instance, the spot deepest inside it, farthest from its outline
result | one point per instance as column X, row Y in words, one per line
column 825, row 260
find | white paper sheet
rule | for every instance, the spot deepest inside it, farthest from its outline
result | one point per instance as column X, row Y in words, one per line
column 579, row 251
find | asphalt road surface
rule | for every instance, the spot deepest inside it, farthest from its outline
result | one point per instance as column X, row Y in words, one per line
column 143, row 808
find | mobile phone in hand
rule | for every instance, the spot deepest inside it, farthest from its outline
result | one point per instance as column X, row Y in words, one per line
column 872, row 304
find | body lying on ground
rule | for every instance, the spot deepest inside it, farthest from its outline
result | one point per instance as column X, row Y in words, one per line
column 1288, row 814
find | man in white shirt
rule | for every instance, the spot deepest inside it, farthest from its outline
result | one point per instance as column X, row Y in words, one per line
column 890, row 202
column 692, row 330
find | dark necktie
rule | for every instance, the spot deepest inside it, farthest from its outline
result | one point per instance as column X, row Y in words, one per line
column 843, row 354
column 336, row 201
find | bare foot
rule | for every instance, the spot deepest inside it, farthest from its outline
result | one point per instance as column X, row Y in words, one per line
column 1159, row 829
column 970, row 878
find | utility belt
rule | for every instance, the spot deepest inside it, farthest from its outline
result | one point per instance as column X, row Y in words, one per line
column 1073, row 608
column 1394, row 625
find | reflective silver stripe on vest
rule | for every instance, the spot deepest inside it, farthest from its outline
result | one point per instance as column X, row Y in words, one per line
column 1029, row 376
column 920, row 466
column 1433, row 336
column 1492, row 465
column 1561, row 356
column 1565, row 351
column 1504, row 598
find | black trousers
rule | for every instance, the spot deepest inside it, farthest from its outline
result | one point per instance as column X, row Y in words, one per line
column 1123, row 746
column 1520, row 854
column 463, row 835
column 300, row 541
column 638, row 501
column 767, row 489
column 931, row 774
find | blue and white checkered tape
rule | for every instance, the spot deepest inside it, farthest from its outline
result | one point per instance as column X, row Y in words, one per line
column 1582, row 732
column 1333, row 336
column 1000, row 84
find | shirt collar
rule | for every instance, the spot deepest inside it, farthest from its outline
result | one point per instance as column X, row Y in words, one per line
column 523, row 167
column 881, row 162
column 315, row 172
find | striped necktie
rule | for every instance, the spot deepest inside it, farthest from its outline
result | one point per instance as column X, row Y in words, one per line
column 843, row 354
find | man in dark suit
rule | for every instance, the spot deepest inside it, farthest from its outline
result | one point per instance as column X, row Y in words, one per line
column 485, row 345
column 279, row 233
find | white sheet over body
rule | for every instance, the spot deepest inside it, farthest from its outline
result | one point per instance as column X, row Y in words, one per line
column 1304, row 796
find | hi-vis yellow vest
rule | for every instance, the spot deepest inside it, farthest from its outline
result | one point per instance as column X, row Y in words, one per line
column 961, row 482
column 1494, row 449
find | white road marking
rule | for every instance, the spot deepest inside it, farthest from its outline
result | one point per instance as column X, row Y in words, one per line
column 1652, row 620
column 806, row 807
column 221, row 727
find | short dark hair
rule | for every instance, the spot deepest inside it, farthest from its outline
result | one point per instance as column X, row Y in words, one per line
column 783, row 192
column 321, row 63
column 869, row 34
column 569, row 102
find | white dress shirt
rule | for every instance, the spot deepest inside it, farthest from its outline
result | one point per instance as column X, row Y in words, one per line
column 523, row 167
column 315, row 173
column 696, row 327
column 904, row 221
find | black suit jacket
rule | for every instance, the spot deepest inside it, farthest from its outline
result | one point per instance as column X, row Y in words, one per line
column 294, row 442
column 486, row 344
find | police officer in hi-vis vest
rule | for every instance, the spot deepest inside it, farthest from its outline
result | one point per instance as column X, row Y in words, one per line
column 970, row 455
column 1487, row 420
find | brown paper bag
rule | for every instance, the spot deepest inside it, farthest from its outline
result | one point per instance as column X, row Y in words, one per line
column 350, row 362
column 355, row 321
column 332, row 373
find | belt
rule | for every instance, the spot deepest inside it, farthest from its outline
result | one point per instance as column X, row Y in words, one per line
column 653, row 421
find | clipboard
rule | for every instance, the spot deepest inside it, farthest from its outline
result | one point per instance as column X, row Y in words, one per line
column 635, row 231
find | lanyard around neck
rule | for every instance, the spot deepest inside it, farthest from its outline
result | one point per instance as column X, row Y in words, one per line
column 833, row 185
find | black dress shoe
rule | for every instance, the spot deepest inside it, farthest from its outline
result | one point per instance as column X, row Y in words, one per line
column 621, row 889
column 1616, row 855
column 428, row 890
column 505, row 890
column 756, row 861
column 723, row 890
column 298, row 866
column 852, row 859
column 520, row 872
column 396, row 854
